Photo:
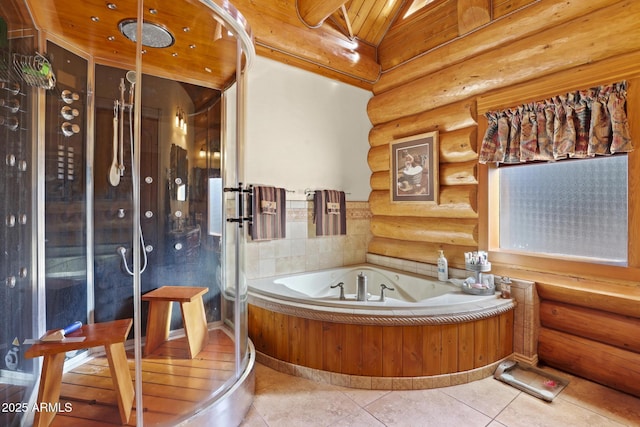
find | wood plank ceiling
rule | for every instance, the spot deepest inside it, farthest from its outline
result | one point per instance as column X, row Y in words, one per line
column 354, row 41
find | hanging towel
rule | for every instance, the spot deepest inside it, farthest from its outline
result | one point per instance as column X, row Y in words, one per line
column 330, row 212
column 269, row 212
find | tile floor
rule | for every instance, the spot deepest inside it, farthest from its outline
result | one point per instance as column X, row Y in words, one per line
column 282, row 400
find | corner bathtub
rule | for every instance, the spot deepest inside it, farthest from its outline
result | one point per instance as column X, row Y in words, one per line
column 423, row 330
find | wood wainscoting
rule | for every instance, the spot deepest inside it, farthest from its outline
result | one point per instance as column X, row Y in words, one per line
column 415, row 350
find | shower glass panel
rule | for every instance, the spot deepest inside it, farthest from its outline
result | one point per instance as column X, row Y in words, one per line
column 178, row 248
column 17, row 172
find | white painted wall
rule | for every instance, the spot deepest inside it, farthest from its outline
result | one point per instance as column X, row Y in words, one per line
column 306, row 131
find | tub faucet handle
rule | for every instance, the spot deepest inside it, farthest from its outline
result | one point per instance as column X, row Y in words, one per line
column 382, row 288
column 341, row 286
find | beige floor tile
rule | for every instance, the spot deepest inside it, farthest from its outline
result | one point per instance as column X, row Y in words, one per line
column 360, row 419
column 304, row 408
column 282, row 400
column 605, row 401
column 528, row 411
column 488, row 396
column 253, row 419
column 423, row 408
column 364, row 397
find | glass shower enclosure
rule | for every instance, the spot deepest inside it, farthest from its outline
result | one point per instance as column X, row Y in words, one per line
column 122, row 173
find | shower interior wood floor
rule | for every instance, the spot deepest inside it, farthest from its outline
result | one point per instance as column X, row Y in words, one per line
column 172, row 384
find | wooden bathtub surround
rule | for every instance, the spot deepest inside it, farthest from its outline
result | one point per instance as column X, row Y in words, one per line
column 193, row 317
column 110, row 335
column 381, row 351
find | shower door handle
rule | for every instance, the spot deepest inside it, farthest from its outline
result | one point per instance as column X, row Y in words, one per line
column 240, row 207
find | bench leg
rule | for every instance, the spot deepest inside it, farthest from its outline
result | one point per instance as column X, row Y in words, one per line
column 158, row 322
column 49, row 390
column 121, row 379
column 195, row 325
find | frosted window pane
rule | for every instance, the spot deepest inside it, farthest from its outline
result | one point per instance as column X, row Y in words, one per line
column 575, row 208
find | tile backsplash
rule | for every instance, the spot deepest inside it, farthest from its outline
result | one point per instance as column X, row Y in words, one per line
column 303, row 251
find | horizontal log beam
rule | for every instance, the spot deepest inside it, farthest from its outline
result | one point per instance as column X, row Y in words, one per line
column 533, row 19
column 455, row 146
column 623, row 67
column 459, row 145
column 602, row 363
column 459, row 232
column 276, row 25
column 418, row 251
column 459, row 173
column 379, row 158
column 455, row 202
column 305, row 64
column 540, row 54
column 445, row 119
column 611, row 297
column 618, row 331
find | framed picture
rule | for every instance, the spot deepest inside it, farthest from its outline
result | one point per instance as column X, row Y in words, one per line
column 414, row 168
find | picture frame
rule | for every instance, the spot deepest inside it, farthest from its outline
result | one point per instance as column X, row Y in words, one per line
column 414, row 168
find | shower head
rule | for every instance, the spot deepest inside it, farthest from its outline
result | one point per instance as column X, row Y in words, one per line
column 131, row 77
column 153, row 35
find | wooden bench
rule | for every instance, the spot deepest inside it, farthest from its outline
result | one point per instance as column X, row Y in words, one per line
column 193, row 317
column 112, row 336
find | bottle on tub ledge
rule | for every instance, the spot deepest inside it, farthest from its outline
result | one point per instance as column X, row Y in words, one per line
column 443, row 267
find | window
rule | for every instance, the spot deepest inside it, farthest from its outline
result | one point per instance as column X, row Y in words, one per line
column 573, row 209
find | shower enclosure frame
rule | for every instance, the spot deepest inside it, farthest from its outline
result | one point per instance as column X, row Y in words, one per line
column 245, row 54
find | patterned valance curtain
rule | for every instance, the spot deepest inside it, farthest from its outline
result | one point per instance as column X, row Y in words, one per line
column 578, row 124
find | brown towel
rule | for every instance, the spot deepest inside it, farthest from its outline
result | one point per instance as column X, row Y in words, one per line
column 269, row 212
column 330, row 213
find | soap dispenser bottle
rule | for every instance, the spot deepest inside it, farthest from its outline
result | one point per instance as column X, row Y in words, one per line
column 443, row 267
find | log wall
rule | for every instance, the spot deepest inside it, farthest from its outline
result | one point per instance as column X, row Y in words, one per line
column 416, row 231
column 593, row 333
column 441, row 90
column 542, row 49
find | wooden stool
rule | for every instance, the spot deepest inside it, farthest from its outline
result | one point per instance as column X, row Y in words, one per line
column 193, row 317
column 112, row 336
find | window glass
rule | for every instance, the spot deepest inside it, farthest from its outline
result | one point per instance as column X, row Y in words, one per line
column 573, row 208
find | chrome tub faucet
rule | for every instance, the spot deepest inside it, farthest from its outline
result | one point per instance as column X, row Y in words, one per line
column 382, row 288
column 341, row 286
